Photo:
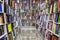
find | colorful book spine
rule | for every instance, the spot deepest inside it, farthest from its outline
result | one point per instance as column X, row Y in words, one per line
column 54, row 37
column 57, row 29
column 53, row 28
column 58, row 18
column 1, row 7
column 58, row 5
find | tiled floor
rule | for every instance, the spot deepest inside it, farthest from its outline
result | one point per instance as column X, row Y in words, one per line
column 29, row 35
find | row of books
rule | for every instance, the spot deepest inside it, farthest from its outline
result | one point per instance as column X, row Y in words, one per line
column 50, row 22
column 51, row 37
column 9, row 15
column 29, row 16
column 51, row 27
column 9, row 18
column 10, row 28
column 7, row 9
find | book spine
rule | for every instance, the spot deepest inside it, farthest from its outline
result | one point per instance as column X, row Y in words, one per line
column 0, row 7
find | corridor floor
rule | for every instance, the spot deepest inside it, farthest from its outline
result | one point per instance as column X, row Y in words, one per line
column 29, row 35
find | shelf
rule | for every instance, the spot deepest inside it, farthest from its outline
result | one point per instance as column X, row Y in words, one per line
column 28, row 28
column 50, row 13
column 56, row 22
column 3, row 35
column 53, row 33
column 2, row 24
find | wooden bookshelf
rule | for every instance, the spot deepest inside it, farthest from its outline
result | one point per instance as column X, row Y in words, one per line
column 7, row 14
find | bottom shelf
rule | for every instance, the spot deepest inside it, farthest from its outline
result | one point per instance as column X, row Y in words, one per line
column 3, row 35
column 53, row 33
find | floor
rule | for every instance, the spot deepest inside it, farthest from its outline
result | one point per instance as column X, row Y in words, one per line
column 29, row 35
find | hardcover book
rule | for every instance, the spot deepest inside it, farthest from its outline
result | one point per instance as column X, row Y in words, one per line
column 54, row 28
column 1, row 7
column 58, row 5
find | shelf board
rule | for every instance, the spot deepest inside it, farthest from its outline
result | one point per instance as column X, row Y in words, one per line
column 51, row 20
column 3, row 35
column 53, row 33
column 50, row 13
column 56, row 22
column 2, row 24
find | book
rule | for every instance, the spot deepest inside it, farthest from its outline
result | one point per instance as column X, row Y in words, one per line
column 58, row 18
column 58, row 5
column 49, row 36
column 9, row 18
column 1, row 18
column 8, row 2
column 13, row 4
column 1, row 30
column 5, row 7
column 51, row 1
column 55, row 7
column 13, row 11
column 51, row 9
column 54, row 37
column 1, row 7
column 46, row 1
column 9, row 27
column 10, row 37
column 50, row 25
column 53, row 28
column 57, row 29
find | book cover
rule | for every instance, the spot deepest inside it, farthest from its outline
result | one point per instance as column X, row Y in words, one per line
column 1, row 7
column 53, row 28
column 51, row 1
column 49, row 36
column 10, row 36
column 13, row 12
column 13, row 4
column 1, row 18
column 1, row 30
column 54, row 37
column 46, row 1
column 5, row 7
column 55, row 7
column 50, row 25
column 9, row 27
column 8, row 17
column 56, row 17
column 57, row 29
column 58, row 5
column 8, row 2
column 51, row 7
column 59, row 18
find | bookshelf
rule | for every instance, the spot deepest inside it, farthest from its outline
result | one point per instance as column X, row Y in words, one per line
column 29, row 13
column 9, row 14
column 49, row 19
column 48, row 12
